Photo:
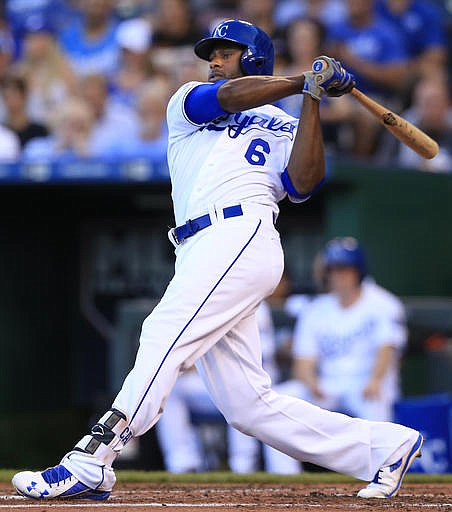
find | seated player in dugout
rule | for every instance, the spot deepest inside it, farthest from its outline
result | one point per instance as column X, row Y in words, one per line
column 232, row 157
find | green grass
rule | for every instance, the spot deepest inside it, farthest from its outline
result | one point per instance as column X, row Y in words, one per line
column 228, row 477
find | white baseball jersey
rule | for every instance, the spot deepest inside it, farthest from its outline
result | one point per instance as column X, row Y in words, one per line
column 345, row 341
column 232, row 159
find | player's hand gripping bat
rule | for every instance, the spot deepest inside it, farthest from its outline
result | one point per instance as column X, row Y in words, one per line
column 402, row 129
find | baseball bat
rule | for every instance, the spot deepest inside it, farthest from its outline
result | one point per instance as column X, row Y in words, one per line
column 402, row 129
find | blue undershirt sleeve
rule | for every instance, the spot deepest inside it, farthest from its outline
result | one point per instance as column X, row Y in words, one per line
column 295, row 196
column 201, row 104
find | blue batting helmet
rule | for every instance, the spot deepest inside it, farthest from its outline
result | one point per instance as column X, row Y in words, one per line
column 345, row 252
column 258, row 55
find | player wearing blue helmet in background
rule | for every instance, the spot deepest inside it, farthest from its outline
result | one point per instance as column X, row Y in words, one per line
column 232, row 157
column 348, row 345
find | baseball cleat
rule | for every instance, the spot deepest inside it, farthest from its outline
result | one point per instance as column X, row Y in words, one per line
column 55, row 482
column 388, row 479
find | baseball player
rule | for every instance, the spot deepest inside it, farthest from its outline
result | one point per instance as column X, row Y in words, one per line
column 347, row 348
column 232, row 157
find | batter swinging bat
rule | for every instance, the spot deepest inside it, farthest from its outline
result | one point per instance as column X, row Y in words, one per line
column 326, row 67
column 405, row 131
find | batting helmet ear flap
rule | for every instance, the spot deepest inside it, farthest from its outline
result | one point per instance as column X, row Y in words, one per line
column 252, row 63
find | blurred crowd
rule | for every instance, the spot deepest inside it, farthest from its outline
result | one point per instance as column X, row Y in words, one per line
column 91, row 78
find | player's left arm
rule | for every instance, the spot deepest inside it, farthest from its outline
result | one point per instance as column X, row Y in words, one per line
column 391, row 335
column 306, row 167
column 305, row 172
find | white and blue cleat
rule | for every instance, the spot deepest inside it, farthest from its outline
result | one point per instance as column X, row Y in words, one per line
column 55, row 482
column 388, row 479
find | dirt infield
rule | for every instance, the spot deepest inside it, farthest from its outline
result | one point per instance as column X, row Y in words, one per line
column 242, row 497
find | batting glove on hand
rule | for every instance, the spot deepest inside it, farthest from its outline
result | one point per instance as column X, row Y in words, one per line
column 311, row 86
column 332, row 77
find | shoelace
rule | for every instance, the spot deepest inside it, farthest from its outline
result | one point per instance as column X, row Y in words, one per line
column 376, row 479
column 56, row 475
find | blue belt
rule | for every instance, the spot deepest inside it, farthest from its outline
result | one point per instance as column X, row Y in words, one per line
column 192, row 226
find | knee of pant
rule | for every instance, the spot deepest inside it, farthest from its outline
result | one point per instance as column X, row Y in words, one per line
column 242, row 421
column 247, row 414
column 242, row 426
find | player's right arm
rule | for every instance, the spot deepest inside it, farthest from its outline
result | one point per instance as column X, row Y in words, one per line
column 305, row 370
column 306, row 349
column 199, row 103
column 305, row 171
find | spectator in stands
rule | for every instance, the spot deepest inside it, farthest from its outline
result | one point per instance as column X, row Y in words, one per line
column 14, row 92
column 134, row 39
column 174, row 33
column 262, row 14
column 151, row 138
column 371, row 48
column 6, row 46
column 90, row 42
column 174, row 25
column 20, row 14
column 374, row 52
column 208, row 12
column 72, row 136
column 44, row 67
column 431, row 110
column 111, row 118
column 9, row 145
column 328, row 12
column 422, row 27
column 127, row 9
column 306, row 41
column 6, row 55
